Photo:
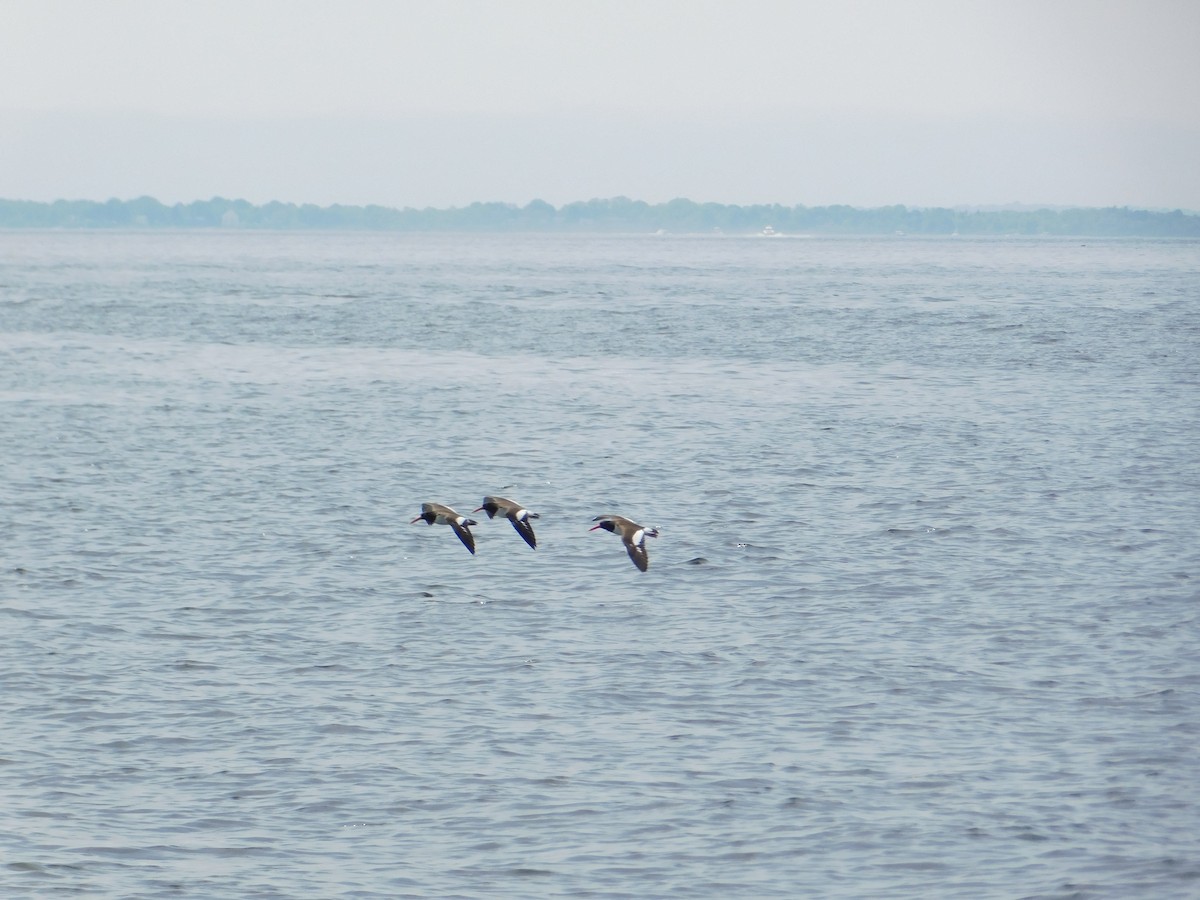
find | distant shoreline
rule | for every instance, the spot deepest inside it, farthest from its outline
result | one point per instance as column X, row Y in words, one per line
column 618, row 214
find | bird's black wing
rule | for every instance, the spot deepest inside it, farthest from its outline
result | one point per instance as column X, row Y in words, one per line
column 524, row 529
column 637, row 552
column 464, row 535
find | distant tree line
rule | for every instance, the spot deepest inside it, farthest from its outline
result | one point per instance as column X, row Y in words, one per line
column 613, row 215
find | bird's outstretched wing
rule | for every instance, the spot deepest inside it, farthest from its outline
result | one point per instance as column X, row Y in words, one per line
column 464, row 535
column 524, row 529
column 637, row 552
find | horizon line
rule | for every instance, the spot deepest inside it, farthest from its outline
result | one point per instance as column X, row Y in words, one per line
column 1010, row 206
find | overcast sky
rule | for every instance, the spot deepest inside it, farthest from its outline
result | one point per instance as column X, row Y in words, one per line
column 865, row 102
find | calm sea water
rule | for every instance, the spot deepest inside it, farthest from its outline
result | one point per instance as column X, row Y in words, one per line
column 923, row 619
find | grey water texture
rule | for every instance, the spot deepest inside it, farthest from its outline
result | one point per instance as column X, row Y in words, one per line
column 922, row 618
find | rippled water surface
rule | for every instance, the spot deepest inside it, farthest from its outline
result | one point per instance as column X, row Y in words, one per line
column 922, row 619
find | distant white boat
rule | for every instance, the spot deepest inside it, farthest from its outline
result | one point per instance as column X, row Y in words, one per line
column 768, row 231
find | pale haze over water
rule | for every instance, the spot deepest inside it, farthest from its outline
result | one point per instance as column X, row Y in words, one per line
column 921, row 620
column 866, row 103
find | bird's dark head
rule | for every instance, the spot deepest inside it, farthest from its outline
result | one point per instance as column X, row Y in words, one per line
column 488, row 507
column 427, row 517
column 606, row 524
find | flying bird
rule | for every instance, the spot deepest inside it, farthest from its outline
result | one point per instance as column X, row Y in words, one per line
column 436, row 514
column 515, row 513
column 632, row 534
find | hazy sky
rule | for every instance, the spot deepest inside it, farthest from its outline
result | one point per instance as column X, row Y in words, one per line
column 866, row 102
